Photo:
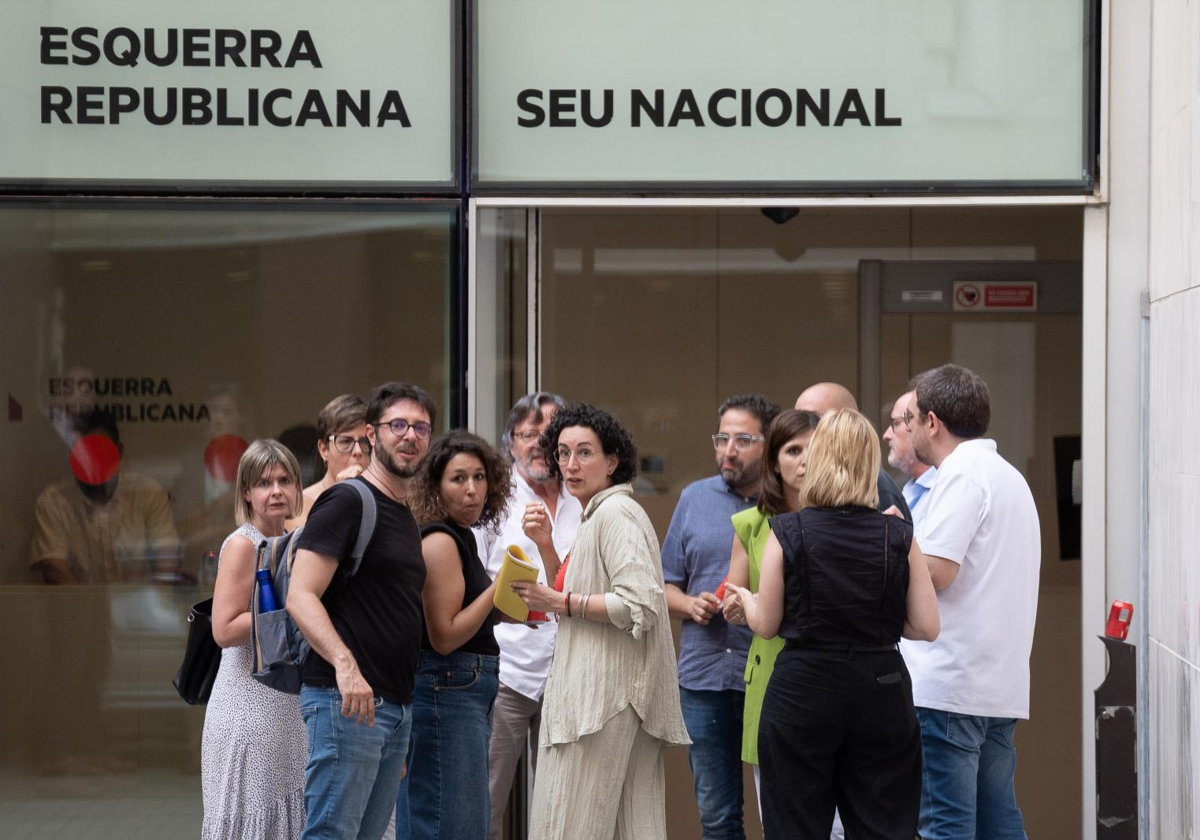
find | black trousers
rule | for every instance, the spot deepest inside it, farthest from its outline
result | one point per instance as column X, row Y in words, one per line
column 839, row 730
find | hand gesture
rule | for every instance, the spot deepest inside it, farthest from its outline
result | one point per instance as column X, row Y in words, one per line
column 352, row 471
column 732, row 607
column 538, row 597
column 704, row 607
column 358, row 700
column 537, row 524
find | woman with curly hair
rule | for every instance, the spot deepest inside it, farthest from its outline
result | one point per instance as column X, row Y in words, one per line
column 612, row 700
column 462, row 484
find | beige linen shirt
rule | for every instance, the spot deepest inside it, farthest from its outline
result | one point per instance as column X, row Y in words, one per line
column 599, row 669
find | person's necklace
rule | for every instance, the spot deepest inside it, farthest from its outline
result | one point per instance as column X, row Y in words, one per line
column 383, row 485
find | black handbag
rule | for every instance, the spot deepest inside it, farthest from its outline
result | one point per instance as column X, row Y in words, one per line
column 201, row 658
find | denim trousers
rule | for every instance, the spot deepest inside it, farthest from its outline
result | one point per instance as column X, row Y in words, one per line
column 968, row 788
column 353, row 769
column 445, row 794
column 714, row 722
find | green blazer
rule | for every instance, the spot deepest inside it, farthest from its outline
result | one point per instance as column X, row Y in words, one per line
column 752, row 528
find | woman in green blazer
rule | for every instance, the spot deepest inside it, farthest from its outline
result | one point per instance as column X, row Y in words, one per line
column 784, row 461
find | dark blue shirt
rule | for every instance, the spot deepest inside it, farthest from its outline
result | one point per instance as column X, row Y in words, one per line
column 695, row 558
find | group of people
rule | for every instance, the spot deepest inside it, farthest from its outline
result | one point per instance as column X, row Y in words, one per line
column 796, row 571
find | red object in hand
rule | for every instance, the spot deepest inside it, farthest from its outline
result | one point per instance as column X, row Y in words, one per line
column 1118, row 620
column 534, row 615
column 720, row 593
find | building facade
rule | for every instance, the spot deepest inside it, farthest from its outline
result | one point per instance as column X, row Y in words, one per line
column 213, row 221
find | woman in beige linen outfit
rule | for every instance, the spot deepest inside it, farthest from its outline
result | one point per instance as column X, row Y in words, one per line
column 612, row 700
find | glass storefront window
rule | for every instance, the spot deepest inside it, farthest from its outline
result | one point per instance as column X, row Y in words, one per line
column 192, row 331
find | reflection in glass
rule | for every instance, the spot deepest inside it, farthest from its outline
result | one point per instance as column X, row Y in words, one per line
column 171, row 337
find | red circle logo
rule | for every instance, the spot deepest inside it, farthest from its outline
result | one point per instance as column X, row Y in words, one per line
column 966, row 295
column 221, row 456
column 95, row 459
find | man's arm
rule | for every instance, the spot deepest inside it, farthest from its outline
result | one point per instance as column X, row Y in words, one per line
column 56, row 571
column 700, row 608
column 49, row 542
column 311, row 576
column 942, row 571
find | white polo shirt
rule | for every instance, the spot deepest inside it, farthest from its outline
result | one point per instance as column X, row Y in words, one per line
column 525, row 652
column 980, row 514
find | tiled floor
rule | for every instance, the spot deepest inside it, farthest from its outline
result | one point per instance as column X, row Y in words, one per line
column 146, row 805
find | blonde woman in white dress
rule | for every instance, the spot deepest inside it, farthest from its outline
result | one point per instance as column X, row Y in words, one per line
column 254, row 747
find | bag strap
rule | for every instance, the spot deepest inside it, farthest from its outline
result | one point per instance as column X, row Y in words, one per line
column 366, row 528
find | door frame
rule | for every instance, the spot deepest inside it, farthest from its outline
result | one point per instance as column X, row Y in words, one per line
column 1094, row 560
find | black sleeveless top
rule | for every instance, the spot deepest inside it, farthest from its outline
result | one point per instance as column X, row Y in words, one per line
column 845, row 575
column 476, row 580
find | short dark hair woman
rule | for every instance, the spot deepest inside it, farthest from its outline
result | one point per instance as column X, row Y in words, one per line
column 841, row 583
column 462, row 484
column 785, row 459
column 612, row 700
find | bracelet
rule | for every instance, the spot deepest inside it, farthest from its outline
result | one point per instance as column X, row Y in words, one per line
column 586, row 598
column 568, row 603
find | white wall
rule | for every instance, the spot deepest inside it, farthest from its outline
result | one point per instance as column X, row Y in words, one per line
column 1112, row 334
column 1174, row 499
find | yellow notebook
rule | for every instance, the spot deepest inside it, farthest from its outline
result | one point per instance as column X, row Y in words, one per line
column 517, row 566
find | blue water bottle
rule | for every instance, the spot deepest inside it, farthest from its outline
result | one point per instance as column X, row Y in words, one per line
column 267, row 602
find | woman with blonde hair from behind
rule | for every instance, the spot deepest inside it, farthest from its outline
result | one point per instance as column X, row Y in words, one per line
column 841, row 583
column 254, row 748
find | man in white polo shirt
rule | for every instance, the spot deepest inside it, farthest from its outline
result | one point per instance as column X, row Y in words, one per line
column 983, row 541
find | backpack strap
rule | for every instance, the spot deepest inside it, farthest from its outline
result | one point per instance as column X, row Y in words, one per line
column 366, row 528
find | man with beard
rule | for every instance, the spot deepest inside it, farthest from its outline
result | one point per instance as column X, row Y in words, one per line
column 365, row 630
column 984, row 545
column 712, row 652
column 901, row 456
column 541, row 518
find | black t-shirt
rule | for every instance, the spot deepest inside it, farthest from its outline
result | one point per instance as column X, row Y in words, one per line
column 377, row 612
column 475, row 583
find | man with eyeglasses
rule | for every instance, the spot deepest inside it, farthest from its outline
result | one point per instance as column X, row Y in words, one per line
column 712, row 652
column 901, row 456
column 365, row 629
column 829, row 396
column 541, row 518
column 342, row 444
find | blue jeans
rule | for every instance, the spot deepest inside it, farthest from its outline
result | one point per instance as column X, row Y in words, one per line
column 353, row 769
column 968, row 788
column 714, row 722
column 445, row 794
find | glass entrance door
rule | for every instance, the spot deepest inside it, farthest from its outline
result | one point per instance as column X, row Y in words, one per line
column 660, row 314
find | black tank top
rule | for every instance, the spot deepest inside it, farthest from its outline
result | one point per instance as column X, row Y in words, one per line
column 845, row 574
column 476, row 580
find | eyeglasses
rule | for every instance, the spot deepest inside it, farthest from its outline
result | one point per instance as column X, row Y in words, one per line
column 400, row 427
column 742, row 441
column 345, row 444
column 908, row 418
column 583, row 457
column 897, row 421
column 526, row 437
